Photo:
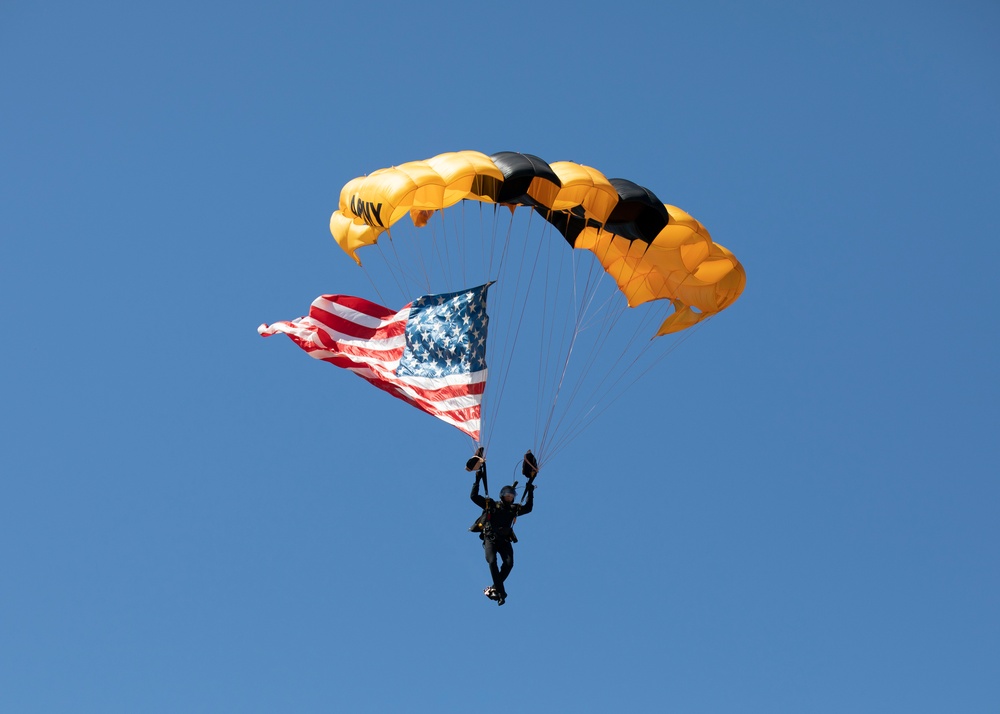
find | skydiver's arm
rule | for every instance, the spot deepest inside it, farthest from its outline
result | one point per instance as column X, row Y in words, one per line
column 476, row 498
column 529, row 502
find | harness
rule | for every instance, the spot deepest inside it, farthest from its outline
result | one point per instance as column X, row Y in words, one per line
column 483, row 525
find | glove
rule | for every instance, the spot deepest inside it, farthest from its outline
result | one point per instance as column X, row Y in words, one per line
column 529, row 467
column 529, row 488
column 476, row 462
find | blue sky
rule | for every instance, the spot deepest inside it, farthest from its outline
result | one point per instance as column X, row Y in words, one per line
column 795, row 512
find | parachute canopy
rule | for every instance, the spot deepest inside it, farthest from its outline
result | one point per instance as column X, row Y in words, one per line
column 653, row 251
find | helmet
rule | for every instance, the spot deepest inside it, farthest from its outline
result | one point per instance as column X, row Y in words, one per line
column 508, row 489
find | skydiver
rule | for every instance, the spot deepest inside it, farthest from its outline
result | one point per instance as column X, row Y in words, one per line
column 495, row 525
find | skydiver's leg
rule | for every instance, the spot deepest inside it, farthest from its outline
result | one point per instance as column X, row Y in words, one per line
column 490, row 549
column 506, row 551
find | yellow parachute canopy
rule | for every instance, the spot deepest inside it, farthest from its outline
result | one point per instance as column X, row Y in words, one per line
column 652, row 251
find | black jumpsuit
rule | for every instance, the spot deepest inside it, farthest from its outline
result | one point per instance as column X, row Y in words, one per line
column 497, row 532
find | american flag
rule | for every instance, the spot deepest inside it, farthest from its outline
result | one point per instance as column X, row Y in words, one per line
column 431, row 354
